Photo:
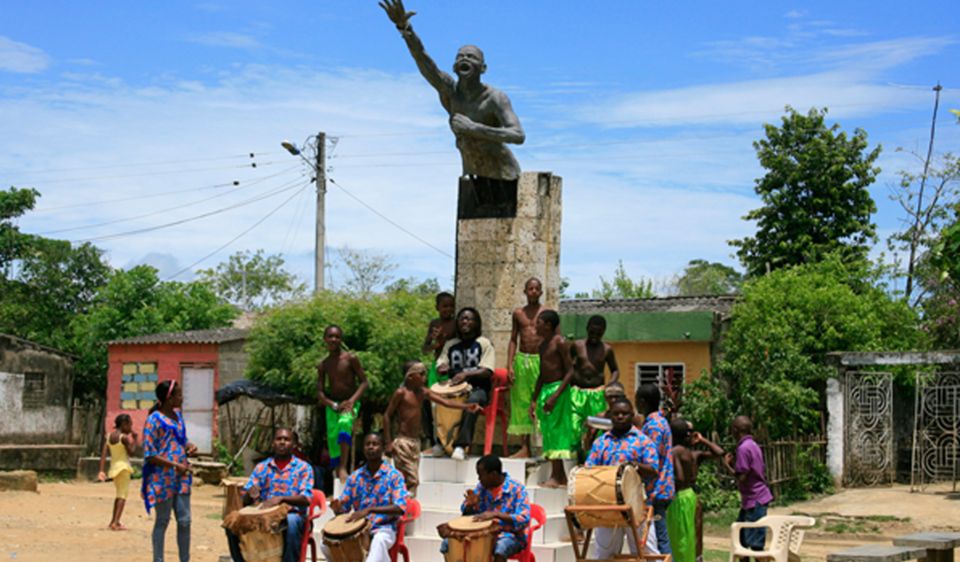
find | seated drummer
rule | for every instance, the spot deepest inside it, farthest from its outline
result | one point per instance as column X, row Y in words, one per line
column 469, row 357
column 496, row 498
column 282, row 478
column 376, row 491
column 623, row 444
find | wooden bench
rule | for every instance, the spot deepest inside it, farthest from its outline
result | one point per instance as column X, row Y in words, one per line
column 939, row 545
column 878, row 553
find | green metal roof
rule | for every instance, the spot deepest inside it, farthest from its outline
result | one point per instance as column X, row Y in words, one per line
column 645, row 326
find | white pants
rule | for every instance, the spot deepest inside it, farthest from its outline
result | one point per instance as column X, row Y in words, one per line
column 609, row 542
column 380, row 542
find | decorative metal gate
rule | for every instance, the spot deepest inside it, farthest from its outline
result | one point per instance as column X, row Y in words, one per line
column 868, row 443
column 937, row 429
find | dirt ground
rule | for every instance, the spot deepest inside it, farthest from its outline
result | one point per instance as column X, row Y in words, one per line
column 69, row 520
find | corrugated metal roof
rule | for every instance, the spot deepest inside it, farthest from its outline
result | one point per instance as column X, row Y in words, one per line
column 712, row 303
column 219, row 335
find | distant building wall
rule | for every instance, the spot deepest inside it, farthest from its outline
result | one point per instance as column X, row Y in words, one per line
column 36, row 391
column 233, row 361
column 694, row 356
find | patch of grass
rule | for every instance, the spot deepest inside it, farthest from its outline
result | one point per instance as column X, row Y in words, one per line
column 886, row 518
column 852, row 526
column 711, row 555
column 718, row 522
column 52, row 476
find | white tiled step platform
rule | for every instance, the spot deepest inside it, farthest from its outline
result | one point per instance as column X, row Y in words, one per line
column 427, row 549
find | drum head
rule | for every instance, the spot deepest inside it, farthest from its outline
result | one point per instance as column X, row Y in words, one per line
column 256, row 510
column 233, row 481
column 631, row 489
column 340, row 527
column 445, row 389
column 468, row 524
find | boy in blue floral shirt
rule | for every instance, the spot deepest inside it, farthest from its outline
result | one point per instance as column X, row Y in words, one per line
column 657, row 428
column 282, row 478
column 376, row 491
column 496, row 498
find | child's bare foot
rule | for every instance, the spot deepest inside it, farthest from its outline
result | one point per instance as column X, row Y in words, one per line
column 120, row 527
column 523, row 453
column 553, row 483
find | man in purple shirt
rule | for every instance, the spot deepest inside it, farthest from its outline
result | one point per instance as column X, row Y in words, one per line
column 748, row 466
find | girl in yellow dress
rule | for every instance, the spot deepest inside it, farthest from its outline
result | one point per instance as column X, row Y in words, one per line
column 121, row 443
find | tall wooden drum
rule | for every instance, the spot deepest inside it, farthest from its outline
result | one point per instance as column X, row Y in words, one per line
column 471, row 541
column 260, row 531
column 348, row 541
column 606, row 485
column 448, row 419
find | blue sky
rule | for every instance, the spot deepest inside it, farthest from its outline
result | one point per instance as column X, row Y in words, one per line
column 129, row 115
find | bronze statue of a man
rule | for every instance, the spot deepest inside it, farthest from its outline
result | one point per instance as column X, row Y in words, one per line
column 480, row 116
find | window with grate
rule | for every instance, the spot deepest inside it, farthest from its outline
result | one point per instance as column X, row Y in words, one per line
column 34, row 390
column 667, row 376
column 138, row 385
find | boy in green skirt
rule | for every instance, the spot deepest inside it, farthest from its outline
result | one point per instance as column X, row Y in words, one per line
column 523, row 365
column 551, row 398
column 440, row 329
column 347, row 384
column 685, row 530
column 590, row 355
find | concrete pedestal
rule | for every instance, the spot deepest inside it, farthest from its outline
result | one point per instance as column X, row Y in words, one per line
column 495, row 256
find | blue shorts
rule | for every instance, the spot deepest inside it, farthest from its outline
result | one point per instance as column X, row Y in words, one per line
column 755, row 538
column 507, row 545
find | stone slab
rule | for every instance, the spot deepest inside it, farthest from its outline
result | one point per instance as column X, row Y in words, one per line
column 930, row 540
column 877, row 553
column 40, row 457
column 18, row 481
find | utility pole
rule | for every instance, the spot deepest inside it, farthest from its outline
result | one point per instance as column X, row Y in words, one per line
column 321, row 179
column 918, row 222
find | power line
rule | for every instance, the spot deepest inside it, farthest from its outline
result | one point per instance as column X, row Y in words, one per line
column 162, row 173
column 239, row 236
column 166, row 210
column 384, row 217
column 250, row 155
column 190, row 219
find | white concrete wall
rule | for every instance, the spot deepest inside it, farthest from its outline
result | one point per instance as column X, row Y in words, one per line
column 17, row 423
column 835, row 433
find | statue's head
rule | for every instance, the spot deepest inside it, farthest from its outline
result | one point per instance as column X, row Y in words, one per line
column 469, row 62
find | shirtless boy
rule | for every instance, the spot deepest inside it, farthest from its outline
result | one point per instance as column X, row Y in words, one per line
column 407, row 403
column 590, row 355
column 523, row 366
column 551, row 398
column 683, row 516
column 440, row 329
column 347, row 384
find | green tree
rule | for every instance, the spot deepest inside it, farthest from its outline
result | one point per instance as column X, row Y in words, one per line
column 623, row 287
column 385, row 330
column 926, row 199
column 253, row 281
column 53, row 282
column 815, row 197
column 133, row 303
column 367, row 271
column 428, row 287
column 940, row 279
column 774, row 365
column 14, row 202
column 701, row 277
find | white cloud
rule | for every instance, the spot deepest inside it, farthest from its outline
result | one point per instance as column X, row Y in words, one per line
column 21, row 58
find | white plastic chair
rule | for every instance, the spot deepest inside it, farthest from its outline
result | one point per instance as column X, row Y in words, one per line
column 784, row 536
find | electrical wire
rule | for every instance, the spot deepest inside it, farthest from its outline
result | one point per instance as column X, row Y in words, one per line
column 389, row 220
column 168, row 209
column 282, row 189
column 250, row 155
column 241, row 235
column 161, row 173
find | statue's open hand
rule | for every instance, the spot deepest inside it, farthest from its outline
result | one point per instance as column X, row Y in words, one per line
column 396, row 12
column 460, row 123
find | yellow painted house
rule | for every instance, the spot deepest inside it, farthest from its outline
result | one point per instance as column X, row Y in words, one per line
column 665, row 340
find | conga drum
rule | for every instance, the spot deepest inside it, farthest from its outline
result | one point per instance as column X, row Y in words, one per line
column 448, row 419
column 471, row 541
column 260, row 531
column 348, row 541
column 232, row 495
column 606, row 485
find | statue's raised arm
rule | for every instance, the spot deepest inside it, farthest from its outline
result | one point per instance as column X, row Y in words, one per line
column 440, row 80
column 481, row 116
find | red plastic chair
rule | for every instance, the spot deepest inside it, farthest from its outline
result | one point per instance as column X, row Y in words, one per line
column 538, row 516
column 497, row 409
column 413, row 511
column 318, row 505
